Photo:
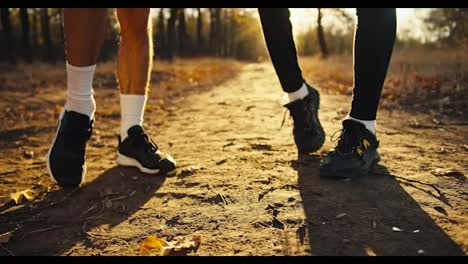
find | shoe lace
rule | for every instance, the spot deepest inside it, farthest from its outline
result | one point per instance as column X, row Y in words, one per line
column 150, row 145
column 308, row 118
column 309, row 114
column 348, row 141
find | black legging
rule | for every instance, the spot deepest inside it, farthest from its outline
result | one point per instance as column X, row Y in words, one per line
column 373, row 44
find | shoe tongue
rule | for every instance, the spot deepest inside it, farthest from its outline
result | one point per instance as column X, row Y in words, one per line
column 352, row 125
column 81, row 120
column 297, row 104
column 135, row 130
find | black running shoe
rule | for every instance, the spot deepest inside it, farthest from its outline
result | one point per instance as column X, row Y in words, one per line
column 354, row 154
column 139, row 150
column 308, row 132
column 66, row 158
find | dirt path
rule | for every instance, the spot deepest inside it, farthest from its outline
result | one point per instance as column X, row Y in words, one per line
column 242, row 187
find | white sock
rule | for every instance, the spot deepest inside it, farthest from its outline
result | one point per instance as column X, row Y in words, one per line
column 370, row 124
column 80, row 90
column 132, row 109
column 299, row 94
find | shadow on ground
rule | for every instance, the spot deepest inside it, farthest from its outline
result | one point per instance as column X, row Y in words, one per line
column 357, row 217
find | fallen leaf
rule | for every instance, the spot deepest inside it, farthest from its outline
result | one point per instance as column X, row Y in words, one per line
column 58, row 109
column 221, row 162
column 28, row 154
column 421, row 251
column 153, row 243
column 5, row 237
column 396, row 229
column 277, row 223
column 21, row 196
column 416, row 231
column 189, row 171
column 449, row 172
column 441, row 210
column 340, row 215
column 108, row 204
column 161, row 247
column 301, row 232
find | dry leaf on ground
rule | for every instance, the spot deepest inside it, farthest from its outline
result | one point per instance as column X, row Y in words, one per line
column 162, row 247
column 5, row 237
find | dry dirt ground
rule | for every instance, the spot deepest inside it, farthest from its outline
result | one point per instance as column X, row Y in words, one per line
column 241, row 185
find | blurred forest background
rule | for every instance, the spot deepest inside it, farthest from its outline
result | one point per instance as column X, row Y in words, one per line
column 429, row 59
column 36, row 34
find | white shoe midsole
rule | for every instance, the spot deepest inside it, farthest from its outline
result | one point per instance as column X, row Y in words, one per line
column 129, row 162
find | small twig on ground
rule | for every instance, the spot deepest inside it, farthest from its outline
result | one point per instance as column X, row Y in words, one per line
column 224, row 199
column 41, row 230
column 89, row 209
column 260, row 196
column 7, row 250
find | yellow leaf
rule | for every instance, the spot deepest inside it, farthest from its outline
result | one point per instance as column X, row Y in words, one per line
column 5, row 237
column 21, row 196
column 58, row 109
column 153, row 243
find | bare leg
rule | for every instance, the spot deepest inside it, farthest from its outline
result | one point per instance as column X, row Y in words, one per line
column 136, row 149
column 135, row 53
column 85, row 31
column 134, row 65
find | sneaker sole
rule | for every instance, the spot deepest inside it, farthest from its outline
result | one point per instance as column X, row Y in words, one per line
column 125, row 161
column 49, row 170
column 349, row 174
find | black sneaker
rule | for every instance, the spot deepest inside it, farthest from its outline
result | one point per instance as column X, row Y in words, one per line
column 66, row 158
column 354, row 154
column 139, row 150
column 308, row 132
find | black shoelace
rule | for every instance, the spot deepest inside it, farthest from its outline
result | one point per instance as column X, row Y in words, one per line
column 308, row 128
column 309, row 115
column 348, row 141
column 148, row 143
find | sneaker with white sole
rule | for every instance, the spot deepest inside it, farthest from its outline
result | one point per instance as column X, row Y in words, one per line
column 66, row 157
column 139, row 150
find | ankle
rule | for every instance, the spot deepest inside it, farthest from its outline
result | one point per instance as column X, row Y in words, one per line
column 369, row 124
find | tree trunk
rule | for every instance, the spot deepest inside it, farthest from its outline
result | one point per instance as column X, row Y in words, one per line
column 171, row 36
column 35, row 34
column 321, row 36
column 199, row 32
column 212, row 31
column 62, row 35
column 161, row 36
column 25, row 41
column 7, row 36
column 233, row 32
column 218, row 37
column 225, row 32
column 182, row 32
column 45, row 30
